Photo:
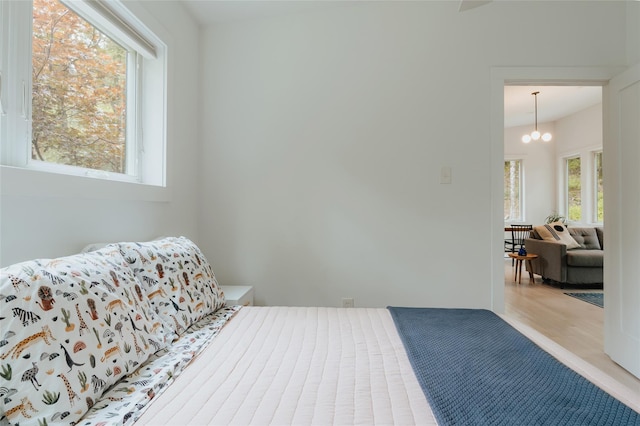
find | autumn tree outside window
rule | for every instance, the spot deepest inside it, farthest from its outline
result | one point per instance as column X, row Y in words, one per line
column 95, row 79
column 79, row 96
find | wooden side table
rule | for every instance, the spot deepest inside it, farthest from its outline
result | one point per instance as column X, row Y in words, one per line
column 519, row 259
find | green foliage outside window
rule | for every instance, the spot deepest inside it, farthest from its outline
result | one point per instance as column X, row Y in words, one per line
column 599, row 187
column 574, row 190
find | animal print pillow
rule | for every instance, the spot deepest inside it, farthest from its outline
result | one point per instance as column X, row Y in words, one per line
column 177, row 278
column 71, row 327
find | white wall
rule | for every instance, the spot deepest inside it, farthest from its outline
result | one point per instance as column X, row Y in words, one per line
column 539, row 167
column 46, row 215
column 581, row 135
column 633, row 32
column 325, row 134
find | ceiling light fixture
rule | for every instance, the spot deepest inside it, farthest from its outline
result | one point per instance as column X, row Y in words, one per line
column 535, row 135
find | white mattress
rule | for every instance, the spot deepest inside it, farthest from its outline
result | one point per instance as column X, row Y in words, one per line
column 297, row 366
column 303, row 366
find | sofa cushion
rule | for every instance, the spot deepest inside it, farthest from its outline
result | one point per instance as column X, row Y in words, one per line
column 600, row 234
column 71, row 327
column 585, row 258
column 177, row 278
column 556, row 232
column 586, row 237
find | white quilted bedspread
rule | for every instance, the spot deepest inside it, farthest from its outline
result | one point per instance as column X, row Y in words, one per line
column 297, row 366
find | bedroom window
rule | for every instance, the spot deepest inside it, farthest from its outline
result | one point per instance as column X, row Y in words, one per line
column 513, row 191
column 573, row 189
column 80, row 102
column 598, row 188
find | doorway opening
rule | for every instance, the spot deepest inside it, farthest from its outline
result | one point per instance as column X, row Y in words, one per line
column 620, row 93
column 562, row 176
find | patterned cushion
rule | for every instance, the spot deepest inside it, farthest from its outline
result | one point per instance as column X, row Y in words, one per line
column 124, row 403
column 556, row 232
column 177, row 278
column 71, row 327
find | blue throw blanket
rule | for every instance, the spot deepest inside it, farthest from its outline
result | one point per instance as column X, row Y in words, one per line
column 475, row 369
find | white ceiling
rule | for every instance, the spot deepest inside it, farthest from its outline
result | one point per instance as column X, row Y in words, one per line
column 554, row 102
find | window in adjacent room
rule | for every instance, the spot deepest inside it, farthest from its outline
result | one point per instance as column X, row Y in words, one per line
column 573, row 189
column 94, row 80
column 598, row 187
column 513, row 191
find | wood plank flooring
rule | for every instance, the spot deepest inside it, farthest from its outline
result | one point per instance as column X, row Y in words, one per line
column 574, row 324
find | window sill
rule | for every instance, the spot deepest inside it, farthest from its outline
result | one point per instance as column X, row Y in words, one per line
column 16, row 181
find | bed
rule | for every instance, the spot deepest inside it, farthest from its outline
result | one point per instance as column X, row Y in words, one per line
column 294, row 366
column 137, row 332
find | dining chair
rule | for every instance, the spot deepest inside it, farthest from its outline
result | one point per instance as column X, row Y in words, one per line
column 518, row 234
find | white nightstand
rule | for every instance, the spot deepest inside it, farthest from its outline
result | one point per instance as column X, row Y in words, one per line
column 238, row 294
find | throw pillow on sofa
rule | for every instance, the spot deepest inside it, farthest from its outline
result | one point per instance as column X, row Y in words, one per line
column 177, row 278
column 71, row 327
column 556, row 232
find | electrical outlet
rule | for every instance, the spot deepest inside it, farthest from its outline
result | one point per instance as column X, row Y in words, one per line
column 347, row 302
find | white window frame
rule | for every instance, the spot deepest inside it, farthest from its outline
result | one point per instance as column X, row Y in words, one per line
column 522, row 217
column 146, row 144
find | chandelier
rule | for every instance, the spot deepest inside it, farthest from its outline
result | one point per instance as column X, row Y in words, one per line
column 535, row 135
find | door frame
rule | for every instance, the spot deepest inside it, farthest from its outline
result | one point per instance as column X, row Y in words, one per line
column 621, row 320
column 501, row 76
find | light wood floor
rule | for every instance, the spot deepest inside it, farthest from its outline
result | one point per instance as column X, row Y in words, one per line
column 574, row 324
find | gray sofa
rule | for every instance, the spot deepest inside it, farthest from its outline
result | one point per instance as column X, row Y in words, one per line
column 582, row 265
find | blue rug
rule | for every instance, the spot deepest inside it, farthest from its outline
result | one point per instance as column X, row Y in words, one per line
column 593, row 298
column 475, row 369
